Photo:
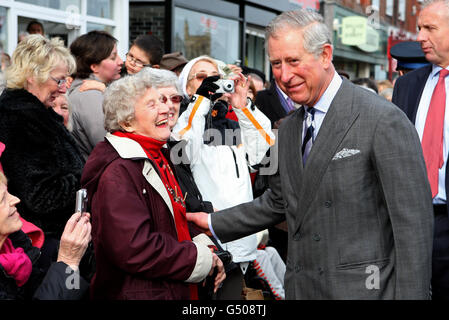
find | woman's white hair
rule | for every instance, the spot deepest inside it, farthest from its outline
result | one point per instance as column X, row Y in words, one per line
column 36, row 56
column 120, row 97
column 315, row 32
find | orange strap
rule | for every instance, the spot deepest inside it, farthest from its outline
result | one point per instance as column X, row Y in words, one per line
column 258, row 126
column 192, row 114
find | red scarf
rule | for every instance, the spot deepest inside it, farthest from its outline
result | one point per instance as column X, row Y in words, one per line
column 15, row 262
column 152, row 149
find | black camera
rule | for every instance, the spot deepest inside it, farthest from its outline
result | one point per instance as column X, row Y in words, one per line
column 225, row 257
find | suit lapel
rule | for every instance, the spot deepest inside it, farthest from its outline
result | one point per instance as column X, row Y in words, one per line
column 415, row 92
column 336, row 124
column 276, row 102
column 292, row 134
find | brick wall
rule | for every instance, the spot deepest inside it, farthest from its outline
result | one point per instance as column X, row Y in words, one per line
column 146, row 19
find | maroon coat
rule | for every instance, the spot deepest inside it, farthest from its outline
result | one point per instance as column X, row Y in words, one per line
column 137, row 252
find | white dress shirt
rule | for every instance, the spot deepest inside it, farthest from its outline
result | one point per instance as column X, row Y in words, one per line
column 420, row 122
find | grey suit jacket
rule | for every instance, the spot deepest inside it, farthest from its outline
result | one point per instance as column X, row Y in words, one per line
column 359, row 215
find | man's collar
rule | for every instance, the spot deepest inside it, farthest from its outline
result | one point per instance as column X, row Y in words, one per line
column 329, row 94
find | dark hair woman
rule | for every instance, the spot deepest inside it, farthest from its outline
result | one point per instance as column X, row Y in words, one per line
column 96, row 58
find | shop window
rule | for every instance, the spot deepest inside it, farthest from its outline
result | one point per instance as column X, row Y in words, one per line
column 389, row 8
column 100, row 8
column 55, row 4
column 3, row 30
column 197, row 33
column 95, row 26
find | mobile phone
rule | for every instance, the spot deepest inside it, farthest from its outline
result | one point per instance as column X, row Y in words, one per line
column 81, row 201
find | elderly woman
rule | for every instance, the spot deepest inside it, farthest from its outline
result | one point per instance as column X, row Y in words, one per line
column 41, row 160
column 20, row 278
column 96, row 59
column 143, row 247
column 221, row 171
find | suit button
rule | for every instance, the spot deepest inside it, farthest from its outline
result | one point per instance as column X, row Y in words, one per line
column 297, row 268
column 328, row 204
column 297, row 236
column 320, row 271
column 316, row 237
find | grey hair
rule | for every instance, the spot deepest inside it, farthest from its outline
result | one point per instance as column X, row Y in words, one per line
column 121, row 96
column 427, row 3
column 315, row 32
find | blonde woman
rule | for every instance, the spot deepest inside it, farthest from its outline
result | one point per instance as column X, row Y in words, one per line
column 41, row 160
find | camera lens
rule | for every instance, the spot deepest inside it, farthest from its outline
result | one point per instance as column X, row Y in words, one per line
column 228, row 86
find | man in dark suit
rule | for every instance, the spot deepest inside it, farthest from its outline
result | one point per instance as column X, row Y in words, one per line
column 421, row 94
column 351, row 181
column 273, row 103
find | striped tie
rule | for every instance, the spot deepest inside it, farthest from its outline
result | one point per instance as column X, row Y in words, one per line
column 308, row 138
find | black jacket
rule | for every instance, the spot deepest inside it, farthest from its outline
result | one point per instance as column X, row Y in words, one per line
column 42, row 284
column 41, row 160
column 268, row 101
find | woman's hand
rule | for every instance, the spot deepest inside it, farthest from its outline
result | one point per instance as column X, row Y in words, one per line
column 92, row 85
column 217, row 265
column 238, row 99
column 75, row 239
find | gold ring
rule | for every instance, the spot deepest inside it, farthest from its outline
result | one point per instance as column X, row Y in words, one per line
column 243, row 85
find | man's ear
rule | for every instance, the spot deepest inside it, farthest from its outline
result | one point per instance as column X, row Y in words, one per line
column 326, row 55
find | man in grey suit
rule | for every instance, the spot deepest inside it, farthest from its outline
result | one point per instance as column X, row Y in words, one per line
column 351, row 181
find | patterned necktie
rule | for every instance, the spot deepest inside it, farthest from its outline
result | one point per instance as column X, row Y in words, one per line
column 432, row 140
column 308, row 138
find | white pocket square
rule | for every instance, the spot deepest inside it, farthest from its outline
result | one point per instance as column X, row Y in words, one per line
column 344, row 153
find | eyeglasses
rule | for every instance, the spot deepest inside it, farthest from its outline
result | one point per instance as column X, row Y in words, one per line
column 137, row 62
column 174, row 98
column 60, row 82
column 202, row 75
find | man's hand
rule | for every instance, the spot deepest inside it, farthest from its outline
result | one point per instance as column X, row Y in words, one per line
column 200, row 219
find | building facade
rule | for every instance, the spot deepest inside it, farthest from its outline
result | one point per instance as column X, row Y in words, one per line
column 364, row 31
column 64, row 18
column 231, row 31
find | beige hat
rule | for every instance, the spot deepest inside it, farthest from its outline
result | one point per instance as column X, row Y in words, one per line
column 171, row 61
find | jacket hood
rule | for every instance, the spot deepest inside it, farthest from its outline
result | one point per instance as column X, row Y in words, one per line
column 102, row 155
column 105, row 153
column 183, row 76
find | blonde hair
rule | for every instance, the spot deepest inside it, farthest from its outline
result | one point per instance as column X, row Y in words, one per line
column 36, row 56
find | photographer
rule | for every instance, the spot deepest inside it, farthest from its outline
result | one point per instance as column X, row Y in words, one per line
column 219, row 158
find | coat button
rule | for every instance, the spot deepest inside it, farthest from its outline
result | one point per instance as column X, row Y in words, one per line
column 297, row 268
column 316, row 237
column 297, row 236
column 320, row 271
column 328, row 204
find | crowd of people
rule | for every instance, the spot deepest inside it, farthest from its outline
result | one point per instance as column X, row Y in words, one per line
column 173, row 154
